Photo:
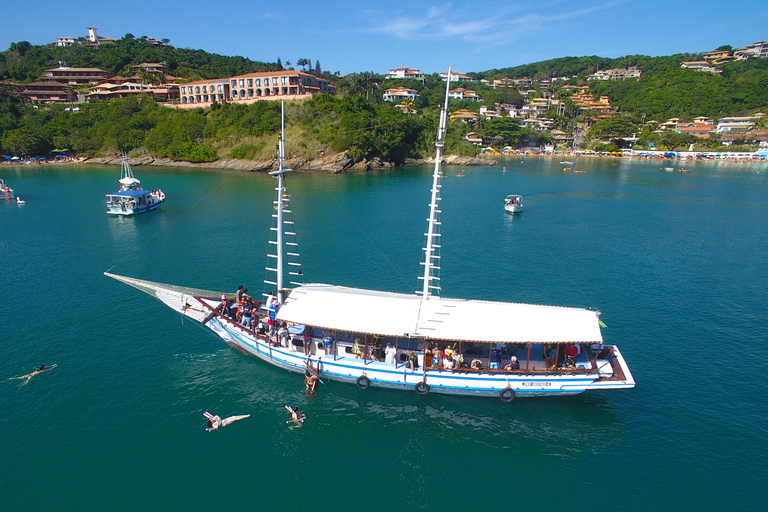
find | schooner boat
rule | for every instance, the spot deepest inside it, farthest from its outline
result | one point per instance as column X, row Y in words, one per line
column 434, row 344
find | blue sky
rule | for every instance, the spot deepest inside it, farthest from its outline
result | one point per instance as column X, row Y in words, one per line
column 352, row 36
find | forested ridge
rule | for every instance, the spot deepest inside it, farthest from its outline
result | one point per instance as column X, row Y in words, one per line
column 356, row 121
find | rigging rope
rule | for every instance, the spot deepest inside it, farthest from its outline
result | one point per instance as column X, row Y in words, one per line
column 165, row 226
column 371, row 241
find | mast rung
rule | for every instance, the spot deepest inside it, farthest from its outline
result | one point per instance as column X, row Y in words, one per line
column 287, row 222
column 273, row 242
column 292, row 254
column 271, row 256
column 287, row 211
column 293, row 244
column 290, row 233
column 269, row 282
column 425, row 234
column 271, row 269
column 273, row 229
column 297, row 284
column 294, row 264
column 274, row 216
column 295, row 273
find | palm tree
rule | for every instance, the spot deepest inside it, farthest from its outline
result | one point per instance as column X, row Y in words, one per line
column 408, row 106
column 288, row 64
column 303, row 63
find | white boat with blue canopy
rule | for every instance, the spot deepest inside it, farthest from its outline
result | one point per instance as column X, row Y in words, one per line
column 131, row 199
column 434, row 344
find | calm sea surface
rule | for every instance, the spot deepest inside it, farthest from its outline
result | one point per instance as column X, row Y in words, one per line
column 678, row 265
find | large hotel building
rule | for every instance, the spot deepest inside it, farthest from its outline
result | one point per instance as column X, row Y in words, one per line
column 267, row 85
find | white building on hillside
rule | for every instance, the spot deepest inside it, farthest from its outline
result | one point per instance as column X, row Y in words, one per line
column 757, row 50
column 399, row 94
column 456, row 77
column 404, row 73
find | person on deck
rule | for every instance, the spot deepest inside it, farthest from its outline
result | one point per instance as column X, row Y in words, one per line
column 238, row 293
column 282, row 335
column 247, row 315
column 413, row 360
column 549, row 355
column 223, row 308
column 513, row 364
column 437, row 356
column 494, row 357
column 389, row 353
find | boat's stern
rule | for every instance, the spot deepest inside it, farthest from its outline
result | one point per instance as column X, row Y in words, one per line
column 612, row 369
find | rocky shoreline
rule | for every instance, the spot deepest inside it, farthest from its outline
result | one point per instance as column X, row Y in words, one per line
column 334, row 163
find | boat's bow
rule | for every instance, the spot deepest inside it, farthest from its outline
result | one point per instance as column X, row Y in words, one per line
column 188, row 301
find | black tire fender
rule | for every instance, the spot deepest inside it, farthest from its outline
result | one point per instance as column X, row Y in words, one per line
column 422, row 388
column 507, row 394
column 363, row 382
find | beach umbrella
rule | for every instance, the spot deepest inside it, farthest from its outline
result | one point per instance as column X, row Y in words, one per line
column 15, row 158
column 7, row 157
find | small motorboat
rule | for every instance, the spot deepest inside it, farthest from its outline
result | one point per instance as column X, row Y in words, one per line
column 669, row 169
column 513, row 203
column 20, row 200
column 566, row 162
column 684, row 171
column 6, row 192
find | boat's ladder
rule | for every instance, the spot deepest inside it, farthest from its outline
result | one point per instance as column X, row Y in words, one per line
column 291, row 257
column 284, row 247
column 431, row 277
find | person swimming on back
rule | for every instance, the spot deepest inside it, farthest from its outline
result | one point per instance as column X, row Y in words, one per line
column 40, row 369
column 215, row 422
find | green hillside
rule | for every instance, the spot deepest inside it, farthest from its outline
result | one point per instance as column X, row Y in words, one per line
column 356, row 121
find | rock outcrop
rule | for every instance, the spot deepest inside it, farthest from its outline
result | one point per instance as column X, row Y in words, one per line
column 332, row 163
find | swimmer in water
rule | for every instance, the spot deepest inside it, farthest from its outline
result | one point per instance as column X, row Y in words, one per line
column 40, row 369
column 215, row 422
column 296, row 416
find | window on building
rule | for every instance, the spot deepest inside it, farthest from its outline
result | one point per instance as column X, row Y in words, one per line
column 205, row 88
column 274, row 80
column 242, row 83
column 242, row 93
column 205, row 98
column 284, row 90
column 234, row 83
column 220, row 88
column 183, row 90
column 197, row 98
column 258, row 82
column 283, row 80
column 250, row 82
column 197, row 89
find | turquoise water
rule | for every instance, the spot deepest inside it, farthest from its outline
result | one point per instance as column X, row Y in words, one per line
column 677, row 264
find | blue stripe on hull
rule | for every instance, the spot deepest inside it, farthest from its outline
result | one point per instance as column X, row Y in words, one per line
column 347, row 373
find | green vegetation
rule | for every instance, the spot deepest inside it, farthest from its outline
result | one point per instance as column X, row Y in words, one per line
column 24, row 62
column 358, row 121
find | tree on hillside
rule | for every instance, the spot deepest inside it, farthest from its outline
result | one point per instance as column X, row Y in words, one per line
column 318, row 71
column 303, row 63
column 21, row 47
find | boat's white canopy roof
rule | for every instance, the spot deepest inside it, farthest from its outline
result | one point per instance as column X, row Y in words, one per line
column 129, row 181
column 396, row 314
